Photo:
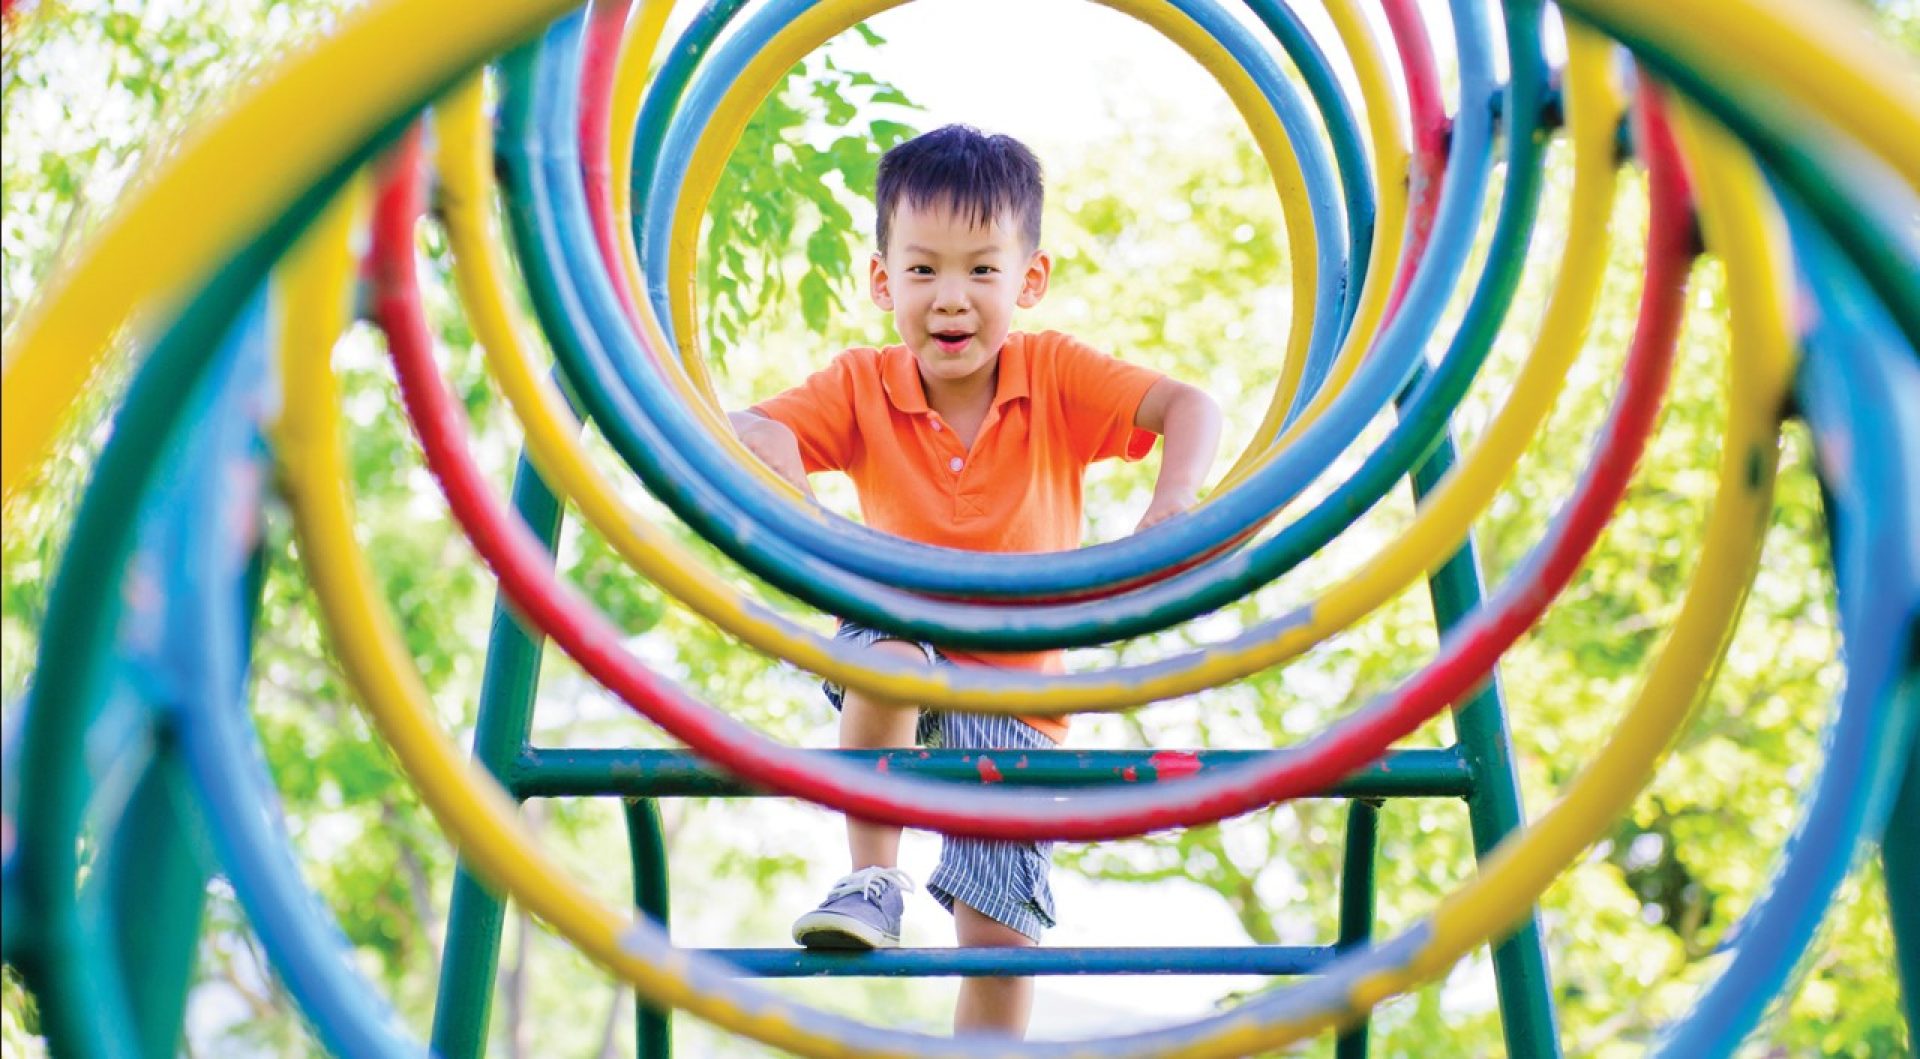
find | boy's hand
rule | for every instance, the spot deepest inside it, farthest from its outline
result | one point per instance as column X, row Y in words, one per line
column 775, row 446
column 1162, row 508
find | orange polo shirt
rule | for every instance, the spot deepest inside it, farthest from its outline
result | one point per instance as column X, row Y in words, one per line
column 1058, row 406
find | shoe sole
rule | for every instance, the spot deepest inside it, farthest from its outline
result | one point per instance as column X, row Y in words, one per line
column 831, row 931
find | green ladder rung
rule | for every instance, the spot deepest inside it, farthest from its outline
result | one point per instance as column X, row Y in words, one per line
column 541, row 772
column 1260, row 960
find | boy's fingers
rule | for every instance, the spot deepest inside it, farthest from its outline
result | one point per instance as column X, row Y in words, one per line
column 1158, row 514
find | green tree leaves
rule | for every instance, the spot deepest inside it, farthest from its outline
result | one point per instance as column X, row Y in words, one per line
column 794, row 171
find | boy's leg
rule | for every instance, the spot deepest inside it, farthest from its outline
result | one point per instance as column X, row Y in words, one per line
column 997, row 891
column 863, row 909
column 868, row 724
column 990, row 1005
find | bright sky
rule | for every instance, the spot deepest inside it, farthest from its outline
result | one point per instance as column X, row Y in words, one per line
column 1051, row 72
column 1062, row 75
column 1067, row 71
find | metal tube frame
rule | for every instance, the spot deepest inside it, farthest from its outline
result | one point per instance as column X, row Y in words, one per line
column 1478, row 769
column 507, row 689
column 1493, row 807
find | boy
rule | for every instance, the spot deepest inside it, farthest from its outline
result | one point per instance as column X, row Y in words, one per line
column 968, row 436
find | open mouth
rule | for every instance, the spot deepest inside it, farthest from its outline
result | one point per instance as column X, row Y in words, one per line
column 952, row 341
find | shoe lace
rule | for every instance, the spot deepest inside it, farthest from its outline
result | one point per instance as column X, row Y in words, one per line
column 872, row 882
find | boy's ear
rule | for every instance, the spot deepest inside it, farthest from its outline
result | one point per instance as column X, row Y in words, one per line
column 877, row 283
column 1033, row 285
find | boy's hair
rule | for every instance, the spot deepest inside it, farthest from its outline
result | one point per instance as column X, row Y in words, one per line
column 959, row 167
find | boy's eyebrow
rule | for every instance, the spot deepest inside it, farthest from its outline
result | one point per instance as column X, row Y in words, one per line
column 916, row 248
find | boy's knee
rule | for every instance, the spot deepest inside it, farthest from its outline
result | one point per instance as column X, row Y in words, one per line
column 973, row 928
column 867, row 720
column 901, row 650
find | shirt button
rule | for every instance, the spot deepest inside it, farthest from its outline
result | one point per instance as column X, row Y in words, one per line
column 955, row 463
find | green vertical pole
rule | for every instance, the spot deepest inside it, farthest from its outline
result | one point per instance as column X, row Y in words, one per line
column 1493, row 809
column 155, row 875
column 1356, row 903
column 652, row 1026
column 1900, row 857
column 472, row 955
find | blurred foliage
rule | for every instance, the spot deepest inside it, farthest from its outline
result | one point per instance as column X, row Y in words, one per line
column 808, row 159
column 1169, row 251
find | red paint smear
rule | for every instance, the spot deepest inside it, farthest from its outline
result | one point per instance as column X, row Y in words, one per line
column 1173, row 764
column 989, row 772
column 882, row 766
column 1130, row 774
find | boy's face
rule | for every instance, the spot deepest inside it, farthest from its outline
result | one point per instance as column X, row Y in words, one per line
column 952, row 287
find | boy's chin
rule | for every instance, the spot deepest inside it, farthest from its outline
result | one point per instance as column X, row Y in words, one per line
column 950, row 367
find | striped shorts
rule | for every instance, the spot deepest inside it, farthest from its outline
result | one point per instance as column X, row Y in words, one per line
column 1004, row 881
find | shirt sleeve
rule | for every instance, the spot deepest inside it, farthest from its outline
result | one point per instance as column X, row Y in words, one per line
column 820, row 413
column 1099, row 396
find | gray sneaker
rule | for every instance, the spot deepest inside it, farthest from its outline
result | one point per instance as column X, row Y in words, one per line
column 862, row 911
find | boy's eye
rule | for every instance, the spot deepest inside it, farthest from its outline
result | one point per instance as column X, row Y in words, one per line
column 919, row 270
column 984, row 270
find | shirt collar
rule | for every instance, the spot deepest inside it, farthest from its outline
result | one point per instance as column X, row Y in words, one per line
column 900, row 376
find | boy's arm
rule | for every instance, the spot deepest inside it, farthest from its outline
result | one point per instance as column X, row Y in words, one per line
column 774, row 444
column 1189, row 419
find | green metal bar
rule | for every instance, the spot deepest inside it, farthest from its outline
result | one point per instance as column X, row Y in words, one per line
column 472, row 956
column 543, row 772
column 1493, row 807
column 155, row 874
column 1356, row 904
column 254, row 590
column 652, row 1026
column 1900, row 857
column 1248, row 960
